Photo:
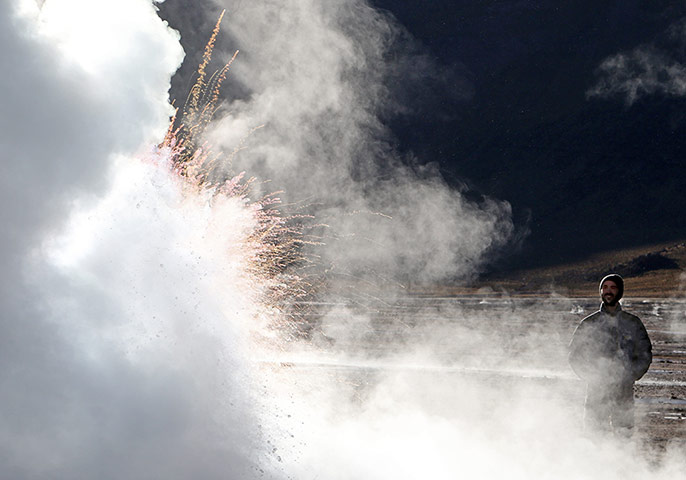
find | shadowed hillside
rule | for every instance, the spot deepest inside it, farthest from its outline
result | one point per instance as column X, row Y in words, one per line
column 649, row 271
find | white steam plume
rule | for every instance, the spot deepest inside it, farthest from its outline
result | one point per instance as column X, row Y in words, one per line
column 119, row 337
column 318, row 78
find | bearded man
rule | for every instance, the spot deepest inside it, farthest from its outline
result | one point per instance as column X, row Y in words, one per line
column 610, row 350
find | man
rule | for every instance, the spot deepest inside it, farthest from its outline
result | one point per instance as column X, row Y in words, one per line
column 610, row 350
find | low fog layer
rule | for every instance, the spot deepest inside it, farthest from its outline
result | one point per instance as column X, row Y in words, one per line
column 450, row 387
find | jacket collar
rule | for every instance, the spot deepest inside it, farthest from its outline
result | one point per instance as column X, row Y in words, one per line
column 603, row 308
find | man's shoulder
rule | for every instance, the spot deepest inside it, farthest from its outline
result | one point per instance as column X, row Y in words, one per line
column 592, row 317
column 630, row 317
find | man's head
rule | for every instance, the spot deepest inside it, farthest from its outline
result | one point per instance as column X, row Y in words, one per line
column 611, row 289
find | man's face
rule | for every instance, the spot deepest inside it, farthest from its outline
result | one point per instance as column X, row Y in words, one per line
column 608, row 292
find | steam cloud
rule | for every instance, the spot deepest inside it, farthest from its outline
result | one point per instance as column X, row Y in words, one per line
column 117, row 357
column 318, row 78
column 122, row 331
column 655, row 68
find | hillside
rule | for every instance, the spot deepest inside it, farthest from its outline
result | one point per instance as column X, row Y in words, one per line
column 649, row 271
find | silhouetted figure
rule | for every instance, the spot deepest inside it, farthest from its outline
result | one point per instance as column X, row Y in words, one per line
column 610, row 350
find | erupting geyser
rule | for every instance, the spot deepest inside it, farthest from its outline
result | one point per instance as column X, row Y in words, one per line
column 130, row 279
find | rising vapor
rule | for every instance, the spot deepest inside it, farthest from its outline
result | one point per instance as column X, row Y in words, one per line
column 320, row 78
column 119, row 359
column 127, row 306
column 644, row 71
column 317, row 76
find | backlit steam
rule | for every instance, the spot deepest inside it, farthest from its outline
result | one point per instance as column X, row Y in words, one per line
column 271, row 249
column 134, row 271
column 129, row 283
column 316, row 75
column 390, row 390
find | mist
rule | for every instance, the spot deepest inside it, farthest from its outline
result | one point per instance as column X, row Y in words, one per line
column 118, row 360
column 385, row 390
column 321, row 79
column 132, row 342
column 652, row 68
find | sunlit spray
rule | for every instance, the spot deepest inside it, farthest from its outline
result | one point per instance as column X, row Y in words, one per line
column 129, row 303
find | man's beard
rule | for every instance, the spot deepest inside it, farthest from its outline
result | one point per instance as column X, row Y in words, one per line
column 609, row 299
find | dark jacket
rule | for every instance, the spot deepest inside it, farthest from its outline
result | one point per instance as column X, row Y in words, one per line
column 610, row 349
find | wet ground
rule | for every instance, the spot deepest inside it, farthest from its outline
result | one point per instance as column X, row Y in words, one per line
column 502, row 342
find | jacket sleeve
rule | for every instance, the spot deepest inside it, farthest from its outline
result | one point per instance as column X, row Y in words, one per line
column 643, row 351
